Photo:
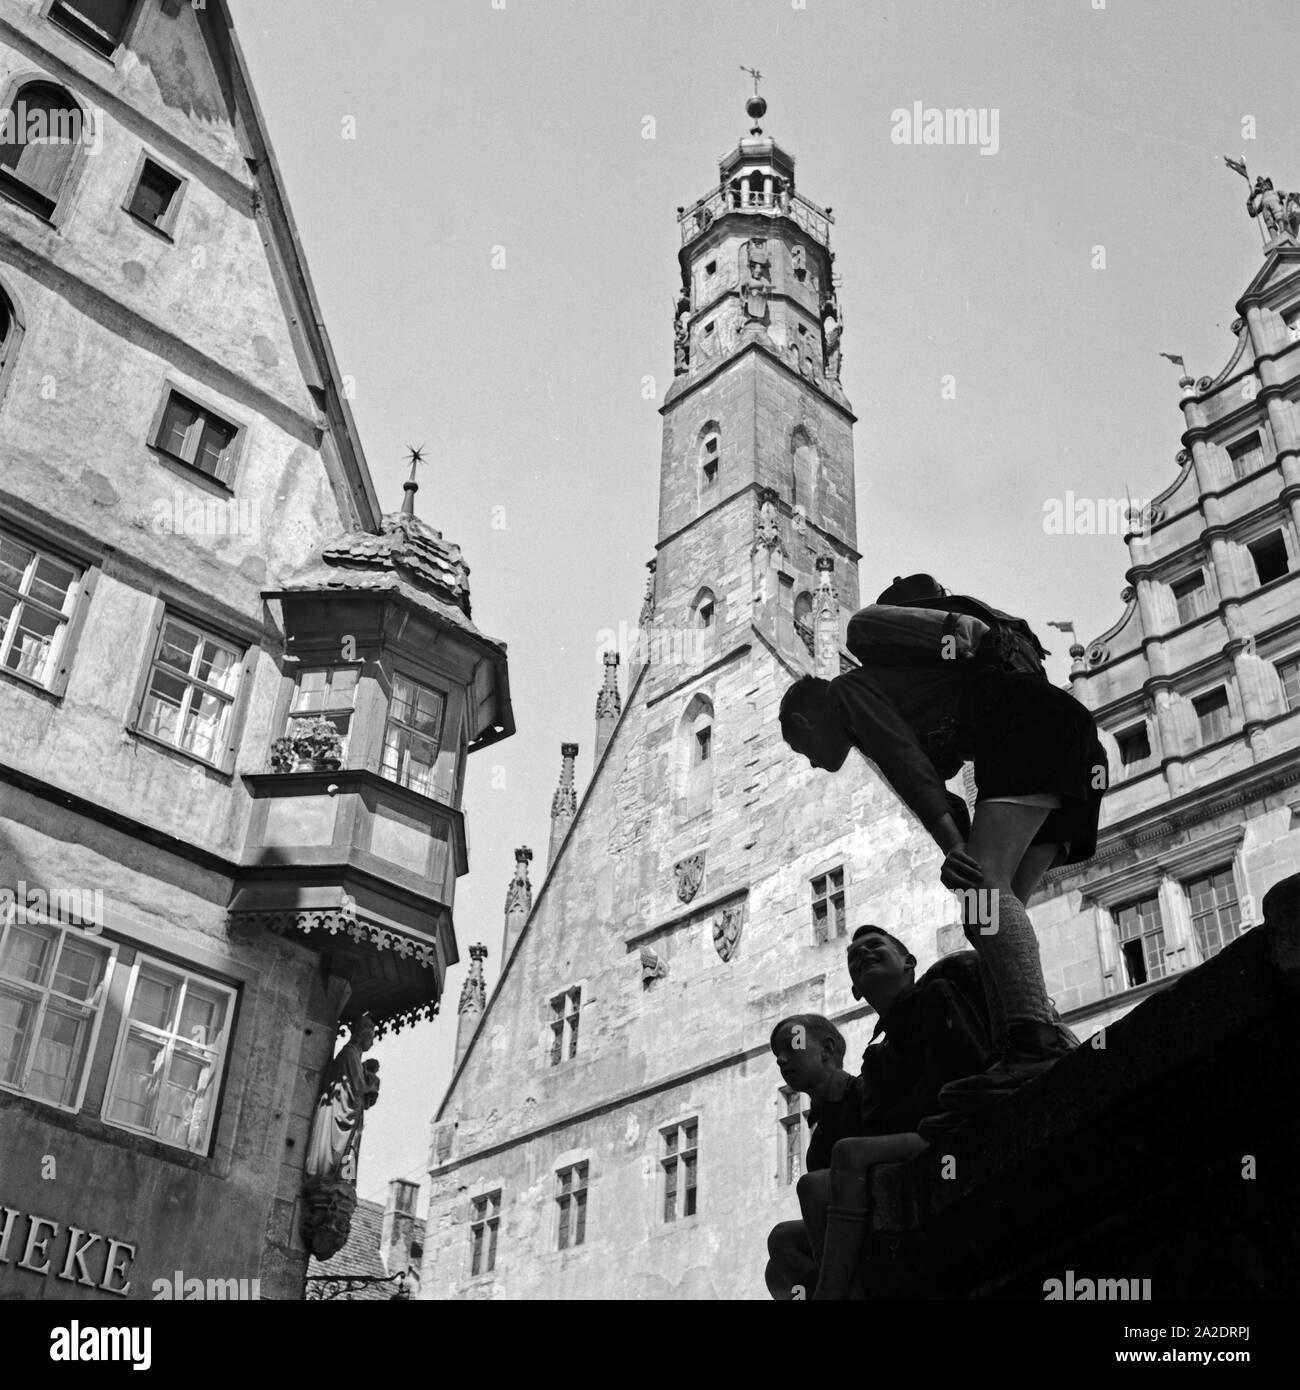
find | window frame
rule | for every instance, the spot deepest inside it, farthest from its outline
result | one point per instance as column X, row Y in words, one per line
column 1132, row 731
column 325, row 711
column 100, row 1002
column 109, row 55
column 1201, row 875
column 1278, row 536
column 1228, row 731
column 444, row 694
column 126, row 1024
column 1238, row 448
column 827, row 898
column 484, row 1225
column 571, row 1201
column 56, row 683
column 1293, row 661
column 166, row 228
column 1142, row 936
column 11, row 346
column 563, row 1023
column 672, row 1160
column 18, row 191
column 165, row 611
column 232, row 454
column 795, row 1110
column 1204, row 588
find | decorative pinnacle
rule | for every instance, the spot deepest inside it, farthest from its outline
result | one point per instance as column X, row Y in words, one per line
column 410, row 487
column 756, row 106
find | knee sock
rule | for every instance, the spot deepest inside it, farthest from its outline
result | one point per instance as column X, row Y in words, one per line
column 1010, row 955
column 846, row 1238
column 997, row 1016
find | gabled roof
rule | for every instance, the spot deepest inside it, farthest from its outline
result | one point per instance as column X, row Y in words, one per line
column 217, row 27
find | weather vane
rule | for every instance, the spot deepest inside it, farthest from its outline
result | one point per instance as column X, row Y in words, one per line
column 410, row 486
column 756, row 106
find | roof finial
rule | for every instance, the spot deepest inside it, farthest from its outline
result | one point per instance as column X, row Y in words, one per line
column 410, row 487
column 756, row 106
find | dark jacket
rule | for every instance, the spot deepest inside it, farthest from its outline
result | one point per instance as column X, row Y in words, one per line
column 936, row 1032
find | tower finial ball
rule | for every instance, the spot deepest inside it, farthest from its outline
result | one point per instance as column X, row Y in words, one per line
column 756, row 107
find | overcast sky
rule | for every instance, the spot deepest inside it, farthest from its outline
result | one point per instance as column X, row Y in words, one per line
column 519, row 124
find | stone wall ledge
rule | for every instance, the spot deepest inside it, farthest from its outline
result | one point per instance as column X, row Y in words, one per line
column 1171, row 1154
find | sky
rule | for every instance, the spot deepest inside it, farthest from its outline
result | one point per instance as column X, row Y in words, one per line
column 493, row 240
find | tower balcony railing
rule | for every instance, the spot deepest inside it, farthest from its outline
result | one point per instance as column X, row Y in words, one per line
column 814, row 220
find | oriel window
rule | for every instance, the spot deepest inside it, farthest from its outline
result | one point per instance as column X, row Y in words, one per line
column 413, row 735
column 328, row 693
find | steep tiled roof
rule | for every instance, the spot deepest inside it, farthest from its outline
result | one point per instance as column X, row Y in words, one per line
column 405, row 556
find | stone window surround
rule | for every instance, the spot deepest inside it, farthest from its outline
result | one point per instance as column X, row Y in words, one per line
column 166, row 228
column 661, row 1130
column 548, row 1017
column 1163, row 877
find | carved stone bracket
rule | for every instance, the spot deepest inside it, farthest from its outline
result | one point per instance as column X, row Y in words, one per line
column 653, row 966
column 328, row 1204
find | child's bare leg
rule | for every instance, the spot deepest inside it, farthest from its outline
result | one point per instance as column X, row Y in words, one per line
column 848, row 1214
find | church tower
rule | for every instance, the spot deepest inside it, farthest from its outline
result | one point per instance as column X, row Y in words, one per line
column 703, row 884
column 757, row 478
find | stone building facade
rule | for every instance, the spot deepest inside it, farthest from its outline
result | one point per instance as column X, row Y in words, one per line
column 1196, row 688
column 616, row 1127
column 230, row 761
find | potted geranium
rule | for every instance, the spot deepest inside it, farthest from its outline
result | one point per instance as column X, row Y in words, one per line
column 283, row 756
column 317, row 742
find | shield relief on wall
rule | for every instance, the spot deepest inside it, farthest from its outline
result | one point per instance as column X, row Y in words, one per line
column 726, row 931
column 689, row 873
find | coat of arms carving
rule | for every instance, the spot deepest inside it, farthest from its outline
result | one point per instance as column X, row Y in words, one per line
column 689, row 873
column 726, row 931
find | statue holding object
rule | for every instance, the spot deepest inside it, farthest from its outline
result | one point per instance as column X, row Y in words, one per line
column 350, row 1088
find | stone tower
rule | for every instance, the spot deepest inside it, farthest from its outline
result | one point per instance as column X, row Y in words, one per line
column 757, row 477
column 706, row 884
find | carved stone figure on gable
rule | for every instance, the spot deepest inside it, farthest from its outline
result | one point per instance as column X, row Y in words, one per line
column 1280, row 211
column 832, row 332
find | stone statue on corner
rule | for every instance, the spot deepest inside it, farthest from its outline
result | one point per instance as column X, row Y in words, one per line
column 350, row 1088
column 1280, row 211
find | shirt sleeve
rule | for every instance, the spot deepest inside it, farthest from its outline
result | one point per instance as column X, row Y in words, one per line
column 882, row 734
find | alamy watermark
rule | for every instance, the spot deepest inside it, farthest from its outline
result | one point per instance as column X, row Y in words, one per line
column 21, row 124
column 933, row 125
column 179, row 515
column 76, row 907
